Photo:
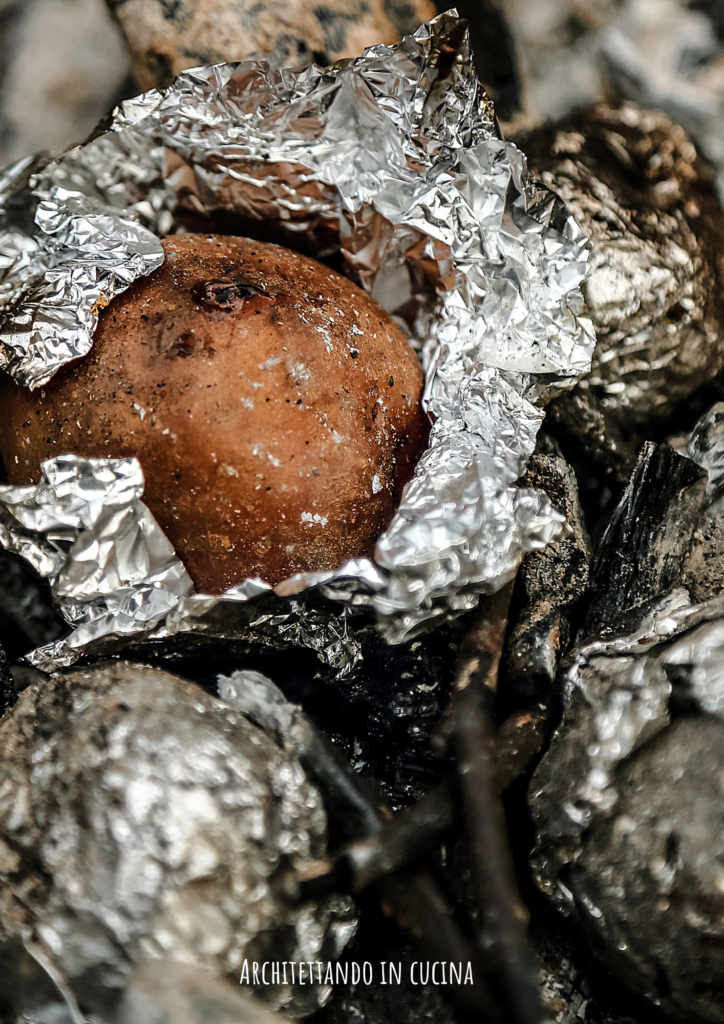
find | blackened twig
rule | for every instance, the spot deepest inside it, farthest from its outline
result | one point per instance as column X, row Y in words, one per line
column 503, row 915
column 414, row 898
column 413, row 832
column 361, row 813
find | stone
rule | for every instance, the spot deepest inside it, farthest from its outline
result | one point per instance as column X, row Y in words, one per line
column 165, row 38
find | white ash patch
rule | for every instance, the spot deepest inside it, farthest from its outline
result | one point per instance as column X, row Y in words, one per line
column 307, row 517
column 271, row 361
column 326, row 338
column 261, row 453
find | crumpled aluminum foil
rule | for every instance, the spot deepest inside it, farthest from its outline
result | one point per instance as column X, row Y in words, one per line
column 706, row 447
column 396, row 154
column 142, row 818
column 616, row 696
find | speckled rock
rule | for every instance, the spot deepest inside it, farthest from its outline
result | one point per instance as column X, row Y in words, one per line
column 164, row 38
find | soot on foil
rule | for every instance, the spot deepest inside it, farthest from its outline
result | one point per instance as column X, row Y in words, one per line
column 395, row 156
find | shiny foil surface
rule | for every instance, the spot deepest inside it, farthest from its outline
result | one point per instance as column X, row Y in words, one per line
column 396, row 158
column 141, row 818
column 616, row 696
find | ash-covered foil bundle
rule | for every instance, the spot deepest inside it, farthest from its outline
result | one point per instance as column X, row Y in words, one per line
column 394, row 158
column 142, row 819
column 627, row 801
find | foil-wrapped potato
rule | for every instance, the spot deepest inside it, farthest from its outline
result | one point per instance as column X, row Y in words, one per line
column 274, row 407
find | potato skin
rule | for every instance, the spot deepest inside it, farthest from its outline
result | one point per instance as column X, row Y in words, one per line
column 274, row 407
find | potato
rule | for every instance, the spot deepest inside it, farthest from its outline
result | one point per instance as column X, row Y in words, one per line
column 274, row 407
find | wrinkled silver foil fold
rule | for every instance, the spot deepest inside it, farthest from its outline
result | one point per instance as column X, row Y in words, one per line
column 616, row 694
column 397, row 155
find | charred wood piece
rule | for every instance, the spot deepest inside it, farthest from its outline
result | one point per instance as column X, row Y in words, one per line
column 643, row 550
column 409, row 834
column 512, row 972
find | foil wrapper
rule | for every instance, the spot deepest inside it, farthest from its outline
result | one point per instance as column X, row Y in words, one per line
column 141, row 818
column 396, row 159
column 617, row 693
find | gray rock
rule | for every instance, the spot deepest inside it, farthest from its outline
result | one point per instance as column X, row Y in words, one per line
column 65, row 66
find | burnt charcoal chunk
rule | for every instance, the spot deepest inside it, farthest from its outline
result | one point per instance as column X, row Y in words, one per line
column 559, row 573
column 533, row 649
column 704, row 568
column 8, row 694
column 579, row 420
column 27, row 617
column 644, row 548
column 550, row 583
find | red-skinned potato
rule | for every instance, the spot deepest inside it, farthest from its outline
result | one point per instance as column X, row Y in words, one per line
column 274, row 407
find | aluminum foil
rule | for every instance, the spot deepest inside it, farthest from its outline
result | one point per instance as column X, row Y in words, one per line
column 706, row 447
column 396, row 157
column 142, row 818
column 617, row 693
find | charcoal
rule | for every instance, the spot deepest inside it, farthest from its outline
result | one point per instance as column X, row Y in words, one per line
column 645, row 546
column 533, row 649
column 27, row 617
column 383, row 718
column 584, row 425
column 550, row 583
column 576, row 988
column 405, row 1003
column 141, row 817
column 635, row 183
column 8, row 692
column 559, row 573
